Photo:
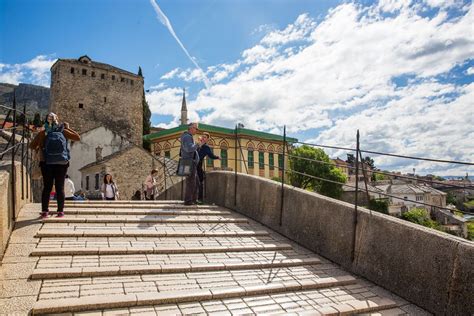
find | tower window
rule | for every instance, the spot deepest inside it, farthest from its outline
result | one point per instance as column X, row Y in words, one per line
column 105, row 99
column 87, row 182
column 96, row 181
column 72, row 70
column 122, row 79
column 84, row 72
column 81, row 105
column 93, row 74
column 113, row 77
column 102, row 76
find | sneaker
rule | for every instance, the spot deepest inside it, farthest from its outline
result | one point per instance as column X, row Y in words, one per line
column 44, row 214
column 199, row 202
column 60, row 214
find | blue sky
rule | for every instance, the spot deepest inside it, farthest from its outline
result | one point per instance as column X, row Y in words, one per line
column 401, row 71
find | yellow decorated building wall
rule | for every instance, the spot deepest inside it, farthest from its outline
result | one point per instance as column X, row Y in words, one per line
column 169, row 146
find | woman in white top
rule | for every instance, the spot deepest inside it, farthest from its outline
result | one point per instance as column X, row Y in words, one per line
column 69, row 189
column 109, row 189
column 150, row 185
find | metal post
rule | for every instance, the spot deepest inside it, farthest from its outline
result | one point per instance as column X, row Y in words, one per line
column 23, row 152
column 164, row 175
column 13, row 180
column 364, row 172
column 356, row 199
column 235, row 164
column 283, row 175
column 28, row 167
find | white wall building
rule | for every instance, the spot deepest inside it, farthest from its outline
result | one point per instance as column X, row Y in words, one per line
column 95, row 143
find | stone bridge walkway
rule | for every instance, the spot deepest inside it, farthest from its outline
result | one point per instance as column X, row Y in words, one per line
column 124, row 258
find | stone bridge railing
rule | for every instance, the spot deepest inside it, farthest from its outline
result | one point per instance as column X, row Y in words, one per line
column 431, row 269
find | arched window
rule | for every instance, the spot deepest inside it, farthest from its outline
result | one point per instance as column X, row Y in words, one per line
column 250, row 154
column 271, row 157
column 224, row 145
column 261, row 156
column 167, row 149
column 157, row 149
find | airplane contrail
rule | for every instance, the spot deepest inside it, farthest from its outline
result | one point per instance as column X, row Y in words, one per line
column 166, row 22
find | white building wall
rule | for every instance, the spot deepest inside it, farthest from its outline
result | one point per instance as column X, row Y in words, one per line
column 84, row 152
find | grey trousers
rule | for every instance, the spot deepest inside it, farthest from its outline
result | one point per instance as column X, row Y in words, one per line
column 192, row 185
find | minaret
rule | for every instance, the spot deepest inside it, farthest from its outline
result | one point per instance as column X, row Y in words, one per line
column 184, row 110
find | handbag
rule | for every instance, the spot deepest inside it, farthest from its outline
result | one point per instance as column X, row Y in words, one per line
column 185, row 167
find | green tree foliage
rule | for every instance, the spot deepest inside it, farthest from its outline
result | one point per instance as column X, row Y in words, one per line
column 146, row 116
column 305, row 167
column 451, row 199
column 379, row 205
column 37, row 120
column 420, row 216
column 470, row 231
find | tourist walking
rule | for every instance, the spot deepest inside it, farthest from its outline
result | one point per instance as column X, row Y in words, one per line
column 204, row 150
column 150, row 185
column 189, row 150
column 109, row 189
column 51, row 142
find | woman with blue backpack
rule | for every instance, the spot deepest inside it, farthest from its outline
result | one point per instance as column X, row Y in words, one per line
column 51, row 142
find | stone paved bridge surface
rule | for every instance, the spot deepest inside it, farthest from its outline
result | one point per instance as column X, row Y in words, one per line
column 123, row 258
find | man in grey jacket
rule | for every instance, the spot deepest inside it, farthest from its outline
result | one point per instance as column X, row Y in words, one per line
column 189, row 149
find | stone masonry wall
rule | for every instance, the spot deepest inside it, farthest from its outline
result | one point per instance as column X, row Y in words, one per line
column 86, row 101
column 128, row 169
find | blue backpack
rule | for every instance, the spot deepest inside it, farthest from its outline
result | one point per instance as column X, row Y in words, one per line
column 55, row 146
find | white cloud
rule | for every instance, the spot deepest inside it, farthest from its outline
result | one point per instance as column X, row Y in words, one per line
column 171, row 74
column 35, row 71
column 339, row 75
column 470, row 71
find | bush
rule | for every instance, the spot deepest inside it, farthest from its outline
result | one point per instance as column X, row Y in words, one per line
column 470, row 231
column 379, row 205
column 420, row 216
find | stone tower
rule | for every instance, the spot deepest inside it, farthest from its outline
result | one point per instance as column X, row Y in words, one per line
column 88, row 94
column 184, row 110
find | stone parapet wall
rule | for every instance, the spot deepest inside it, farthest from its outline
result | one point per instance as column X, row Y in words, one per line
column 426, row 267
column 7, row 215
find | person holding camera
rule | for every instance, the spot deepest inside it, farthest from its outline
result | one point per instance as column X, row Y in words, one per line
column 51, row 142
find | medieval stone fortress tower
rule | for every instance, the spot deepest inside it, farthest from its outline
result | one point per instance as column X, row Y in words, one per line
column 88, row 94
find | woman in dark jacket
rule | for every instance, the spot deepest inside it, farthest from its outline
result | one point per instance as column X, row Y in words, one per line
column 51, row 142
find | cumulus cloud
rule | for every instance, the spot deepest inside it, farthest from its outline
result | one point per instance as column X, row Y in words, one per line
column 345, row 72
column 35, row 71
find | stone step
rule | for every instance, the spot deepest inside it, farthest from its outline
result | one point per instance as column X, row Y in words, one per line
column 94, row 211
column 153, row 250
column 95, row 202
column 143, row 233
column 137, row 206
column 55, row 273
column 214, row 220
column 99, row 302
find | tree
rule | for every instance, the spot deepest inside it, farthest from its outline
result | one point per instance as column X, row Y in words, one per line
column 37, row 120
column 379, row 205
column 420, row 216
column 146, row 117
column 451, row 199
column 350, row 159
column 304, row 167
